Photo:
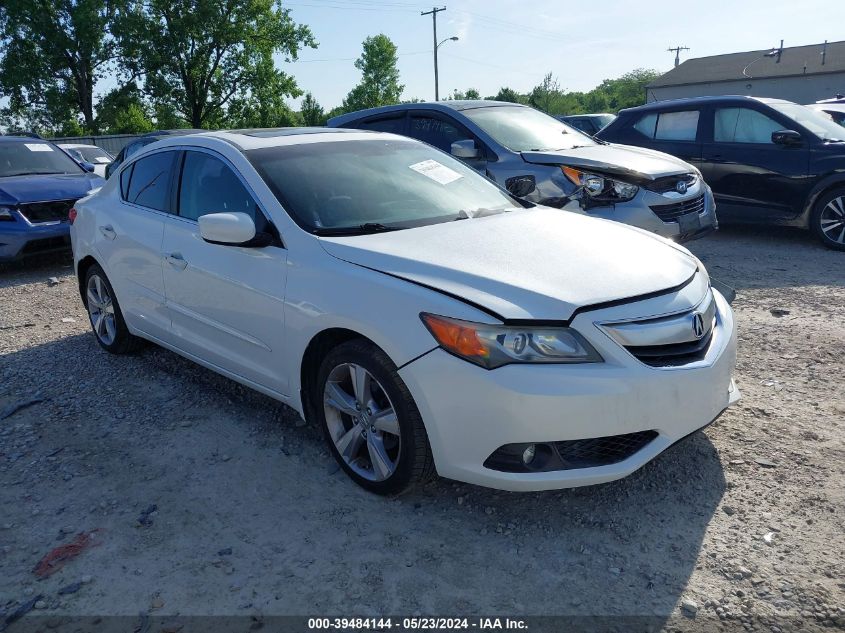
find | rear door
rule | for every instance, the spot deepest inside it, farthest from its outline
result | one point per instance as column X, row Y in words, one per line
column 226, row 303
column 129, row 236
column 753, row 179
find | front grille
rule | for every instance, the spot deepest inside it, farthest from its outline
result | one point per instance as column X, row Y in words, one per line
column 671, row 212
column 602, row 451
column 37, row 212
column 45, row 245
column 669, row 183
column 672, row 355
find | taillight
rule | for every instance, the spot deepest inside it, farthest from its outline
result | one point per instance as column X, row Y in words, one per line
column 71, row 215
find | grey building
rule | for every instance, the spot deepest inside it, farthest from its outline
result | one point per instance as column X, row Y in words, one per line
column 803, row 74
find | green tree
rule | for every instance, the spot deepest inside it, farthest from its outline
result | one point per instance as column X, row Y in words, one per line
column 123, row 111
column 380, row 77
column 472, row 93
column 508, row 94
column 547, row 96
column 196, row 56
column 312, row 112
column 53, row 53
column 628, row 90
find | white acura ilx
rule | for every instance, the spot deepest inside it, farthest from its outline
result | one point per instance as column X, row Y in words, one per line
column 425, row 319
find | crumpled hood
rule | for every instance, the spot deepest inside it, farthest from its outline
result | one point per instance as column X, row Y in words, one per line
column 636, row 163
column 22, row 189
column 538, row 263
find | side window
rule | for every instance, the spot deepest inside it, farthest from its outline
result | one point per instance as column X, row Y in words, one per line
column 743, row 125
column 677, row 126
column 437, row 132
column 208, row 185
column 394, row 125
column 149, row 184
column 581, row 124
column 669, row 126
column 125, row 175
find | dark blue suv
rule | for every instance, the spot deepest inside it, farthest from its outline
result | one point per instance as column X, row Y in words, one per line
column 39, row 183
column 767, row 160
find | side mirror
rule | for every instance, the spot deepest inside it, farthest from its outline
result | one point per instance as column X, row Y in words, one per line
column 233, row 229
column 89, row 167
column 465, row 149
column 788, row 138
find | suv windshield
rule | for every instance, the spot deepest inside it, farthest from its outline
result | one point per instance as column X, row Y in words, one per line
column 366, row 186
column 34, row 157
column 524, row 129
column 818, row 124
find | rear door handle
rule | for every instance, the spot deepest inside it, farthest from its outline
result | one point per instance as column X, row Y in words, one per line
column 176, row 260
column 108, row 232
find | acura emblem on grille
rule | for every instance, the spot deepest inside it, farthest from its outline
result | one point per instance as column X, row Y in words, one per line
column 681, row 186
column 697, row 325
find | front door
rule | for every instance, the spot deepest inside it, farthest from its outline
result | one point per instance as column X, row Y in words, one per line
column 226, row 303
column 753, row 179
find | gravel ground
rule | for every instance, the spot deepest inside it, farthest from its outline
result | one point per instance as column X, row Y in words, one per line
column 212, row 499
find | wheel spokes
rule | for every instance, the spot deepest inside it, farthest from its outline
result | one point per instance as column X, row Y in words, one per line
column 382, row 464
column 336, row 397
column 360, row 383
column 349, row 443
column 386, row 421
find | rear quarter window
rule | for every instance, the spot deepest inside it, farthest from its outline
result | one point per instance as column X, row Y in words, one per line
column 394, row 125
column 668, row 126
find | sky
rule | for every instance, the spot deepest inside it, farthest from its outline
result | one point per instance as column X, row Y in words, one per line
column 515, row 43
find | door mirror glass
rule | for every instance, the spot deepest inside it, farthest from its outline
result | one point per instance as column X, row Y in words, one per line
column 786, row 137
column 227, row 228
column 465, row 149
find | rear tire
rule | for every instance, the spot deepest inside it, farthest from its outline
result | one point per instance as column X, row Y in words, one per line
column 369, row 419
column 828, row 219
column 104, row 314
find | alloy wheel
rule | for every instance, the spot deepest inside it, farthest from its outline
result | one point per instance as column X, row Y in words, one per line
column 101, row 310
column 362, row 422
column 832, row 220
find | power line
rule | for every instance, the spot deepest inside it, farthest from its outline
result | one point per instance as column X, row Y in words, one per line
column 677, row 50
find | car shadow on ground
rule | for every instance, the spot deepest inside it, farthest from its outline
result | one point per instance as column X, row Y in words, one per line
column 228, row 467
column 752, row 256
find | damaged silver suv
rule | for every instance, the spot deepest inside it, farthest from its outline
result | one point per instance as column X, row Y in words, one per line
column 541, row 159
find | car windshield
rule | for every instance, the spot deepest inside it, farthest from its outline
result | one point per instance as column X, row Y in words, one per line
column 34, row 157
column 604, row 120
column 817, row 123
column 94, row 155
column 524, row 129
column 366, row 186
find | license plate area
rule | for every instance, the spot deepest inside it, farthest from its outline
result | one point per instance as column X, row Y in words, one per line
column 689, row 222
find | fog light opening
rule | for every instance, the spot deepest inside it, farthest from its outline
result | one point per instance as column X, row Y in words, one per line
column 528, row 454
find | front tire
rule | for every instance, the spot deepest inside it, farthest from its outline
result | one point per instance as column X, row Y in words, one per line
column 104, row 313
column 828, row 219
column 369, row 419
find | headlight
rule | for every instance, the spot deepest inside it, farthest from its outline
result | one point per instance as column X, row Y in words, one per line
column 6, row 215
column 601, row 188
column 492, row 346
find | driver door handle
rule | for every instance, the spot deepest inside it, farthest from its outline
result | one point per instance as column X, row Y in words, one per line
column 108, row 231
column 176, row 260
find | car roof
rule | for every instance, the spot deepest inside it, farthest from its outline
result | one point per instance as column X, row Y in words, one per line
column 248, row 139
column 697, row 101
column 831, row 107
column 169, row 132
column 586, row 116
column 23, row 139
column 438, row 106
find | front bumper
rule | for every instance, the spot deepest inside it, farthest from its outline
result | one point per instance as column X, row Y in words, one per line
column 470, row 412
column 637, row 212
column 20, row 238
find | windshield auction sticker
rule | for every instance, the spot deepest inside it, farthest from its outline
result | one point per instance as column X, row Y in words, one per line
column 436, row 171
column 38, row 147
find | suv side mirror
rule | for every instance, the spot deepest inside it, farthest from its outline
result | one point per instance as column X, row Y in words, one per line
column 465, row 149
column 788, row 138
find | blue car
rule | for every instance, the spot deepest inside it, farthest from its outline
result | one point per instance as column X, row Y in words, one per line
column 39, row 183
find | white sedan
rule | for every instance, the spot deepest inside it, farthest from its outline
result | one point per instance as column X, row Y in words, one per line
column 421, row 316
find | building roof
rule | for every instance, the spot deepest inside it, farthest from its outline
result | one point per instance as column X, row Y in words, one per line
column 762, row 64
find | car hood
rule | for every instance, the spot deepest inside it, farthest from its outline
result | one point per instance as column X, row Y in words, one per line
column 22, row 189
column 637, row 164
column 538, row 263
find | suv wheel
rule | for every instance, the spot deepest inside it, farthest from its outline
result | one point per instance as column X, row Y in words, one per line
column 369, row 419
column 828, row 219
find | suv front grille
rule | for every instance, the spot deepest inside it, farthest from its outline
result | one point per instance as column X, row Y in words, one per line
column 671, row 212
column 669, row 183
column 37, row 212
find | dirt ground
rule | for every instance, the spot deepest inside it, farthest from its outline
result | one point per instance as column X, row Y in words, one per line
column 215, row 500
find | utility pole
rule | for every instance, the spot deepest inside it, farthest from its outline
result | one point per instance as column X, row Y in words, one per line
column 677, row 50
column 434, row 11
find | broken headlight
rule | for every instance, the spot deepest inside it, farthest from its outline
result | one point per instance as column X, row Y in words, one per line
column 601, row 188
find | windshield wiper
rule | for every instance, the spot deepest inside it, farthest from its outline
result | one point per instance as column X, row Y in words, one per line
column 362, row 229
